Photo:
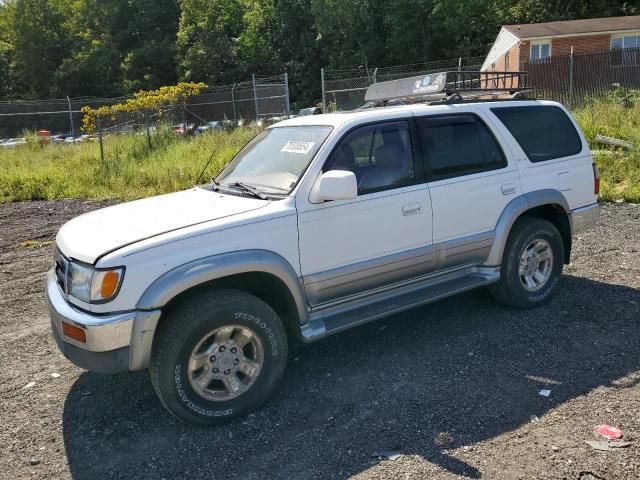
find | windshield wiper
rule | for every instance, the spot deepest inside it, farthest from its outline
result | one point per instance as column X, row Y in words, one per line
column 215, row 186
column 247, row 188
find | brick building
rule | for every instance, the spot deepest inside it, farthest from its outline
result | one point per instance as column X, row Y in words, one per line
column 520, row 46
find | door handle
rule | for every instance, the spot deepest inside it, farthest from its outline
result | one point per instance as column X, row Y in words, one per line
column 411, row 209
column 508, row 188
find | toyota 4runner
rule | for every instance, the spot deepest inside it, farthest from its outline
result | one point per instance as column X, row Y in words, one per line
column 319, row 224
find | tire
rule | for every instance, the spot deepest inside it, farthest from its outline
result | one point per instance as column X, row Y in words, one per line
column 530, row 234
column 194, row 333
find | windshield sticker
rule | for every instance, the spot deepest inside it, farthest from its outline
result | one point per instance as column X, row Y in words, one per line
column 298, row 146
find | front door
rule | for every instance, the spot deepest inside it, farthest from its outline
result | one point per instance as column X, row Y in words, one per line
column 381, row 237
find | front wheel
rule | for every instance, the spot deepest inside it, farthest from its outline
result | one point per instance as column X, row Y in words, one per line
column 218, row 356
column 532, row 264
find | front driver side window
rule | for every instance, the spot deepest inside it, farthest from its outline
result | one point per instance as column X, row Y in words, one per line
column 380, row 156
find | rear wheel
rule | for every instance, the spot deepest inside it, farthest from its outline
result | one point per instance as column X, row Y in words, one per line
column 532, row 264
column 218, row 356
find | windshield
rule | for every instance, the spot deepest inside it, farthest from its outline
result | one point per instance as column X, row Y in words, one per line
column 275, row 159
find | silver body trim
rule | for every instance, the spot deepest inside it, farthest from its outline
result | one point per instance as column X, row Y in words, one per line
column 332, row 285
column 144, row 327
column 361, row 276
column 585, row 218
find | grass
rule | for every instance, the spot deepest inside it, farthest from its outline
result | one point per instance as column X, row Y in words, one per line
column 33, row 244
column 132, row 170
column 619, row 169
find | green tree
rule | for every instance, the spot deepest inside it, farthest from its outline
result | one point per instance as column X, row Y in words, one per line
column 149, row 60
column 41, row 43
column 7, row 40
column 119, row 47
column 207, row 40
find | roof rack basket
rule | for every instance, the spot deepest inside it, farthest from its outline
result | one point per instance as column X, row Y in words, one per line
column 454, row 85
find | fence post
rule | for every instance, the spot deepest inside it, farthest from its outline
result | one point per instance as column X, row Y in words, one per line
column 571, row 78
column 233, row 103
column 146, row 124
column 375, row 75
column 324, row 100
column 255, row 95
column 184, row 118
column 286, row 92
column 100, row 140
column 73, row 133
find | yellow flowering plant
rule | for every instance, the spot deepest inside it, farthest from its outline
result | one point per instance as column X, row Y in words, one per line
column 143, row 102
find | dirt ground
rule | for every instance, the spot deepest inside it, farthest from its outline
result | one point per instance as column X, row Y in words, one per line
column 453, row 386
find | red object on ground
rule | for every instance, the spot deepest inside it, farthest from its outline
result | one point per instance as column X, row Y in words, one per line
column 609, row 432
column 44, row 136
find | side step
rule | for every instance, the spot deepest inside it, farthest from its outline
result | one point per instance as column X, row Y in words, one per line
column 340, row 317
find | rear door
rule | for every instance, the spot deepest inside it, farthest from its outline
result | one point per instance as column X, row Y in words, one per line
column 471, row 181
column 550, row 151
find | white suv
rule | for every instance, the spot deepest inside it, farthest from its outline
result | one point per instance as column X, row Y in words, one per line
column 319, row 224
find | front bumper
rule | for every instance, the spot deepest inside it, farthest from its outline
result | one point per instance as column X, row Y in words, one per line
column 114, row 343
column 585, row 218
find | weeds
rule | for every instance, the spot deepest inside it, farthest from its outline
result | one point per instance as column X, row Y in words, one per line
column 619, row 169
column 132, row 170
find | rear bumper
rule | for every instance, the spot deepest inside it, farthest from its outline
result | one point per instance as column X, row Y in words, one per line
column 585, row 218
column 114, row 343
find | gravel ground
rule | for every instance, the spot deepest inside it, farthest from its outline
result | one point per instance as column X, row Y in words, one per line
column 451, row 386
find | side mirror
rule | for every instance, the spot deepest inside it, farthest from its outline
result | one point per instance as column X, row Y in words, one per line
column 334, row 185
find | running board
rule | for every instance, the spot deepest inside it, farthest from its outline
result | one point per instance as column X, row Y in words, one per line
column 334, row 319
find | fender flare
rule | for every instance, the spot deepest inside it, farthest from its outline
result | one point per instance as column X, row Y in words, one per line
column 512, row 212
column 182, row 278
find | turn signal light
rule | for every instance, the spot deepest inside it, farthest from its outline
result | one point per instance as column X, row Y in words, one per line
column 76, row 333
column 110, row 281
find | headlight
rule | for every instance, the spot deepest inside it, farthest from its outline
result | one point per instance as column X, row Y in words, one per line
column 94, row 286
column 80, row 281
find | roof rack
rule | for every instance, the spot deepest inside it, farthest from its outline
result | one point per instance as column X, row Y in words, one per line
column 449, row 87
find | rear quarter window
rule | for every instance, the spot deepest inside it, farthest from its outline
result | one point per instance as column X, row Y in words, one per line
column 543, row 132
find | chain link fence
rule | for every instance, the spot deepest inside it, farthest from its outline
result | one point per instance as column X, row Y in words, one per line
column 59, row 116
column 574, row 79
column 345, row 89
column 263, row 99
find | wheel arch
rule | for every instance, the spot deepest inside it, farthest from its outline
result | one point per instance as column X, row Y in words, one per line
column 547, row 204
column 262, row 273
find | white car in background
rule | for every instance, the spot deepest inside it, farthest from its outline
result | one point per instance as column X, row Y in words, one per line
column 13, row 142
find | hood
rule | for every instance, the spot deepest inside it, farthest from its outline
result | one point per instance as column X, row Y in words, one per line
column 94, row 234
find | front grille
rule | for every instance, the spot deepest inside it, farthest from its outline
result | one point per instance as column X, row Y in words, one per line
column 62, row 270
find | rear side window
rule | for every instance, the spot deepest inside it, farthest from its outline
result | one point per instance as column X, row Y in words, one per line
column 543, row 132
column 458, row 145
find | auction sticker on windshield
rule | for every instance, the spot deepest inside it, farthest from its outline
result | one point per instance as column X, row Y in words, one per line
column 298, row 146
